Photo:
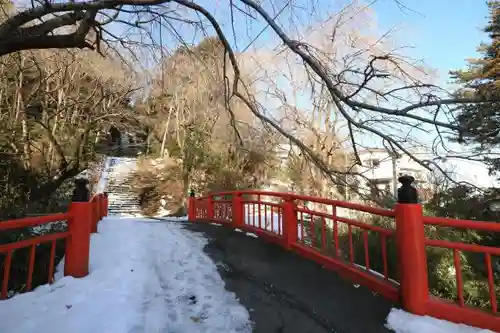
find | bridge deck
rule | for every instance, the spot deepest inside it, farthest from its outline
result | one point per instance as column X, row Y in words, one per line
column 286, row 293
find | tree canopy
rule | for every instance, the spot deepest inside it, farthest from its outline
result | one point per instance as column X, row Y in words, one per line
column 481, row 79
column 369, row 87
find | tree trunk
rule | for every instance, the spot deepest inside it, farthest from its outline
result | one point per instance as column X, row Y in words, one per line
column 167, row 124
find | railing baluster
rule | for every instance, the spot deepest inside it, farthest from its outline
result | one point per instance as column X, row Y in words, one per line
column 351, row 247
column 491, row 283
column 266, row 222
column 6, row 274
column 383, row 240
column 260, row 211
column 367, row 251
column 31, row 267
column 323, row 234
column 458, row 277
column 312, row 231
column 280, row 220
column 52, row 261
column 336, row 237
column 302, row 228
column 254, row 219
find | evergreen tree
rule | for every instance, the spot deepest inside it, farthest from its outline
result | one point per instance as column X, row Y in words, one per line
column 481, row 79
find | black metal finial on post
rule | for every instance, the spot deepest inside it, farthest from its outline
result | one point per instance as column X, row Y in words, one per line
column 407, row 194
column 191, row 193
column 81, row 193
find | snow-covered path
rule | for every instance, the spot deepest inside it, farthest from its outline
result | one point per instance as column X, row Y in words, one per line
column 145, row 276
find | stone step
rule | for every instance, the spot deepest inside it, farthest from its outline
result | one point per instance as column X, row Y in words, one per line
column 123, row 205
column 121, row 198
column 118, row 199
column 131, row 212
column 121, row 193
column 124, row 211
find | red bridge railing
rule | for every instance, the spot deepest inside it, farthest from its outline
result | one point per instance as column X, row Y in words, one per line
column 325, row 236
column 82, row 220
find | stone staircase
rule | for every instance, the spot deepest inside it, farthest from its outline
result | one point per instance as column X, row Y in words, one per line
column 122, row 200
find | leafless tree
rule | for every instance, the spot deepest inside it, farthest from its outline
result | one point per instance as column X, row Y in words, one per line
column 55, row 108
column 365, row 86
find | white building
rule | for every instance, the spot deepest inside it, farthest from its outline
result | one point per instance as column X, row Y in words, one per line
column 379, row 167
column 383, row 170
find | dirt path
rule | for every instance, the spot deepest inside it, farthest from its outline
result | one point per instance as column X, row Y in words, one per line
column 286, row 293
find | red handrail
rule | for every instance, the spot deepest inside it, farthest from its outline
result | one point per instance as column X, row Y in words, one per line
column 33, row 221
column 311, row 233
column 82, row 218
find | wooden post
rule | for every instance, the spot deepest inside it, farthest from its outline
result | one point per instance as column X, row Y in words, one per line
column 237, row 210
column 105, row 204
column 210, row 208
column 289, row 222
column 412, row 256
column 76, row 262
column 191, row 206
column 101, row 206
column 95, row 205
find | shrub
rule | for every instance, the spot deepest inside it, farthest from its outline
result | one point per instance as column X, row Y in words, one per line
column 156, row 180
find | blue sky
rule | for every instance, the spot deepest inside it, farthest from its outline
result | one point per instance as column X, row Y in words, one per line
column 445, row 32
column 444, row 36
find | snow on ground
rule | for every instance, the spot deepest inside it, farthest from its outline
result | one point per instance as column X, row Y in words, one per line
column 103, row 181
column 121, row 167
column 403, row 322
column 176, row 218
column 376, row 273
column 163, row 211
column 145, row 276
column 270, row 221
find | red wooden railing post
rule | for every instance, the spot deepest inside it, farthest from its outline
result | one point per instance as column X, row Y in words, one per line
column 410, row 242
column 95, row 214
column 98, row 206
column 105, row 204
column 289, row 222
column 237, row 210
column 210, row 208
column 101, row 206
column 76, row 262
column 191, row 206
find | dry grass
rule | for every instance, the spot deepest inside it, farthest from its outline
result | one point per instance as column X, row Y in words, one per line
column 155, row 180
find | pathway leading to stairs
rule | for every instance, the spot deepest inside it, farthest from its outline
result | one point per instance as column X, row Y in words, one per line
column 284, row 293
